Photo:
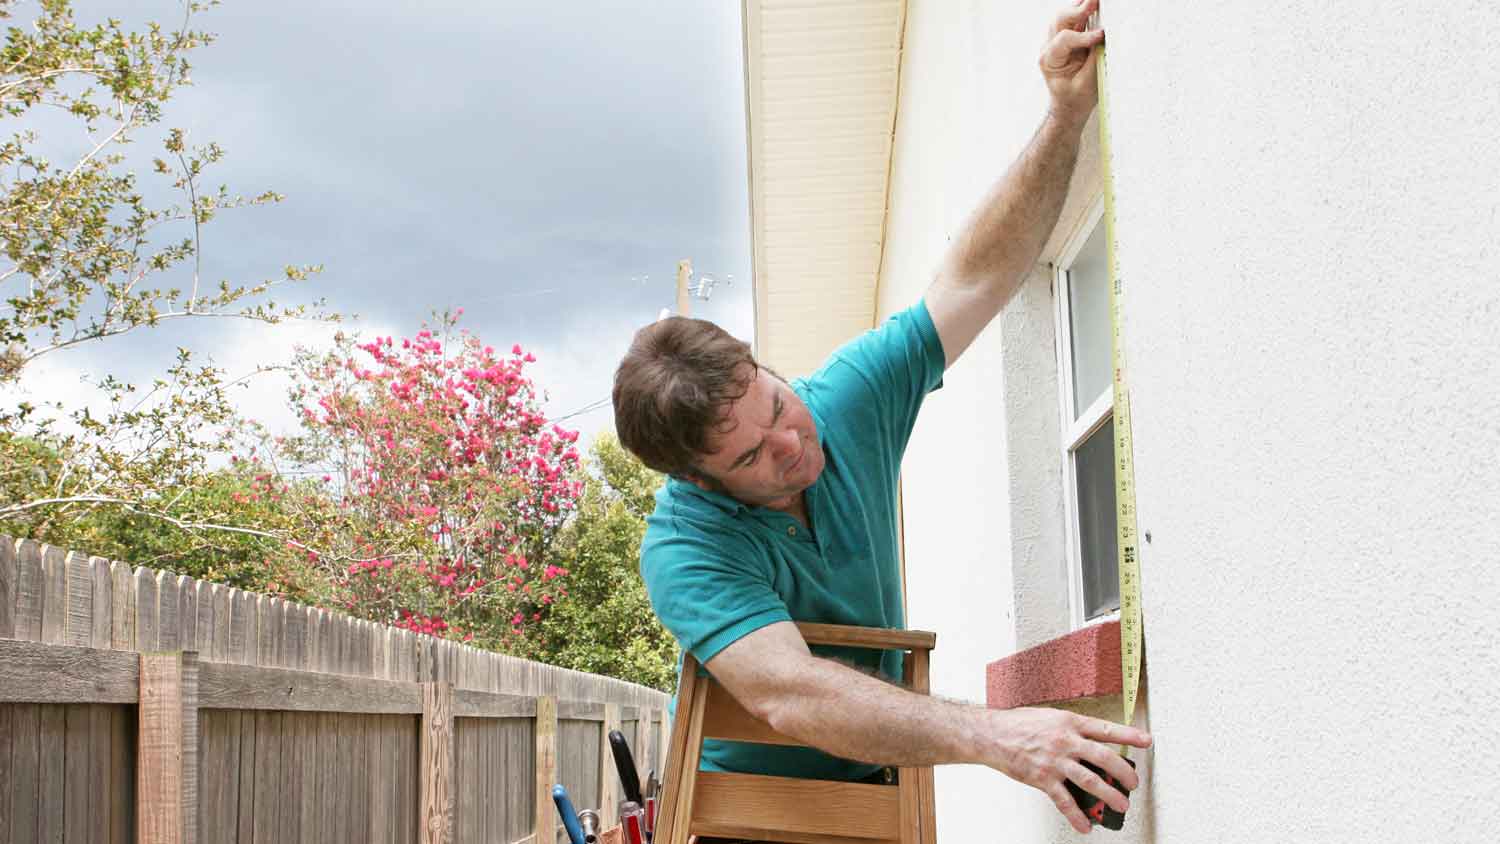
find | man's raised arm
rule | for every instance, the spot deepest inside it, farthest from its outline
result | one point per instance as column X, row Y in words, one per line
column 849, row 714
column 1003, row 237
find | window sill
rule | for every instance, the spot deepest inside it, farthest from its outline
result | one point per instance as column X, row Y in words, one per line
column 1082, row 664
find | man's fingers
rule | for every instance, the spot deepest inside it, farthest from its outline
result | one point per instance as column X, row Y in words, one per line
column 1064, row 48
column 1069, row 807
column 1113, row 764
column 1075, row 16
column 1074, row 40
column 1109, row 732
column 1095, row 785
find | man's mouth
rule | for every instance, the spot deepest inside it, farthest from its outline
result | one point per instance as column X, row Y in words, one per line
column 797, row 462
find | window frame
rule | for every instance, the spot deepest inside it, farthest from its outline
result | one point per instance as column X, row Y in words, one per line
column 1074, row 432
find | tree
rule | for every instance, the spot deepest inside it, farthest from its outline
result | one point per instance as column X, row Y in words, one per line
column 243, row 548
column 451, row 486
column 83, row 244
column 606, row 625
column 86, row 256
column 144, row 456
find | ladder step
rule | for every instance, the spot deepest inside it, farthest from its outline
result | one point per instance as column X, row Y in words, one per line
column 797, row 811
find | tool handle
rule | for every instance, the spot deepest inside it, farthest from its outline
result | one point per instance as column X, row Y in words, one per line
column 569, row 815
column 634, row 834
column 625, row 764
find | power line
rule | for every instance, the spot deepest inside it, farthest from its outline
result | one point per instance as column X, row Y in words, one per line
column 588, row 408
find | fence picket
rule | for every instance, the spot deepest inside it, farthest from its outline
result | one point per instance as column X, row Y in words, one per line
column 79, row 575
column 223, row 607
column 7, row 738
column 266, row 631
column 220, row 756
column 267, row 769
column 331, row 814
column 78, row 765
column 122, row 612
column 101, row 603
column 241, row 629
column 29, row 589
column 168, row 631
column 309, row 805
column 187, row 613
column 54, row 595
column 290, row 779
column 144, row 584
column 294, row 631
column 245, row 800
column 8, row 573
column 51, row 776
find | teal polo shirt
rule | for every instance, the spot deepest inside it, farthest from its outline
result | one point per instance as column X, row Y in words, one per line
column 717, row 570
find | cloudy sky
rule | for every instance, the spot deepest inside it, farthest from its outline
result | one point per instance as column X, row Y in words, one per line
column 541, row 164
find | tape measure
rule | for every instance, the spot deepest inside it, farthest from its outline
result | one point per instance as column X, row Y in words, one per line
column 1129, row 551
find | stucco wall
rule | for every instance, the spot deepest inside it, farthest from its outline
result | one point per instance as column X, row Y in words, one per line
column 1308, row 221
column 982, row 498
column 953, row 509
column 1309, row 204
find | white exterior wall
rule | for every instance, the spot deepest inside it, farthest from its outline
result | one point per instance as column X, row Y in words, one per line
column 1309, row 218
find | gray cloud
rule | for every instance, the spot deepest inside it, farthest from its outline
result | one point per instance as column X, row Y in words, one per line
column 528, row 161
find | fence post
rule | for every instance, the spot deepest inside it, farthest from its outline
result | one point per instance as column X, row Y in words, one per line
column 167, row 749
column 436, row 758
column 546, row 769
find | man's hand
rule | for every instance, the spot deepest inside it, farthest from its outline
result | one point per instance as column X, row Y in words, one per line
column 1042, row 748
column 1068, row 64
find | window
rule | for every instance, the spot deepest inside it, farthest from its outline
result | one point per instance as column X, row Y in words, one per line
column 1085, row 372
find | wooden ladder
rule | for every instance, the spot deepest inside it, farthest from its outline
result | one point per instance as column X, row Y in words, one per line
column 785, row 809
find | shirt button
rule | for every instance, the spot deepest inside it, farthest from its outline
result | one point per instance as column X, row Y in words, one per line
column 791, row 530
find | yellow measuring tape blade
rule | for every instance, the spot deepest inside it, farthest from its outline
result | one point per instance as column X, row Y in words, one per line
column 1129, row 556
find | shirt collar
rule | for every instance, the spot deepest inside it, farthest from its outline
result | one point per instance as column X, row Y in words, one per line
column 717, row 500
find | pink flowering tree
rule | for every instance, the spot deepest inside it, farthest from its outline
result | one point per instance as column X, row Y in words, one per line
column 450, row 485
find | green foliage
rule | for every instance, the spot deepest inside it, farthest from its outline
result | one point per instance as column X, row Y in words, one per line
column 81, row 244
column 605, row 624
column 242, row 549
column 85, row 256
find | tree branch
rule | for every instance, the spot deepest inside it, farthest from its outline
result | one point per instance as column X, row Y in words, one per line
column 158, row 318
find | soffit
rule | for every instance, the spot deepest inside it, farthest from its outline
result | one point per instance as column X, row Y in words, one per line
column 821, row 80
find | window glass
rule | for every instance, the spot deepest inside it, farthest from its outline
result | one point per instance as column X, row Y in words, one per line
column 1088, row 314
column 1098, row 544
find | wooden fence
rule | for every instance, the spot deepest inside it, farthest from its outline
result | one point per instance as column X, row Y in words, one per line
column 137, row 705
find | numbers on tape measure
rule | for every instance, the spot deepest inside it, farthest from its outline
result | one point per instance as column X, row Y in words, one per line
column 1125, row 511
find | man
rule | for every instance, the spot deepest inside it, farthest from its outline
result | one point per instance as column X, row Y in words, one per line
column 781, row 501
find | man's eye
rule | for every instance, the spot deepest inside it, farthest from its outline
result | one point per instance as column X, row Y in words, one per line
column 754, row 456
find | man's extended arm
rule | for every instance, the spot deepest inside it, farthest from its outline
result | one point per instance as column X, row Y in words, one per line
column 847, row 713
column 1003, row 237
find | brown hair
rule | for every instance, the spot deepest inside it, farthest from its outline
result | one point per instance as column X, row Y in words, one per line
column 673, row 390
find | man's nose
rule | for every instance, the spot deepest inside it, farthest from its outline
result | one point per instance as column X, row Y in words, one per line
column 787, row 443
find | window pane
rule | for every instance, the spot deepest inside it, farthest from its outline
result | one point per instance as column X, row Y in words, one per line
column 1088, row 315
column 1094, row 462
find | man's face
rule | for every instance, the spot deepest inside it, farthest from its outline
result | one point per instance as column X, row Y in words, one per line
column 767, row 451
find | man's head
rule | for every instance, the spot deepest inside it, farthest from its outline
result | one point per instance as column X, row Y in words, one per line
column 691, row 401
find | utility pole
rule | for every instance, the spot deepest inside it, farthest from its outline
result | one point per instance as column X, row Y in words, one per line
column 684, row 275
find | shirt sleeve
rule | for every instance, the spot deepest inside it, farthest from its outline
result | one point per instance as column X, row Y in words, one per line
column 709, row 592
column 899, row 362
